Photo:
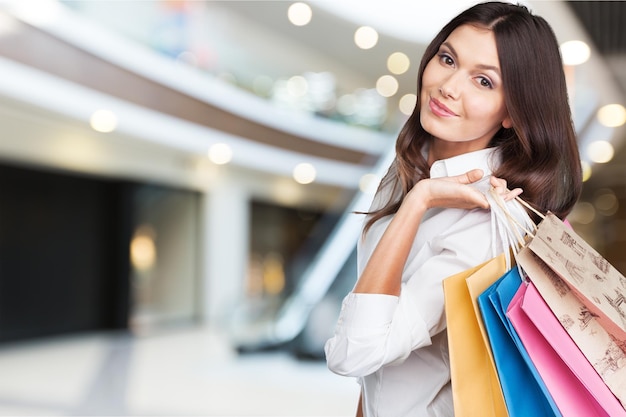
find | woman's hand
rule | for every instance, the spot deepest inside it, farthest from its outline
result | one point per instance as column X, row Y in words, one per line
column 449, row 192
column 500, row 186
column 383, row 272
column 455, row 192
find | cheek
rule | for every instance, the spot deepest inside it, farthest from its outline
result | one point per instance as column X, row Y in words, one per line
column 428, row 75
column 485, row 108
column 427, row 87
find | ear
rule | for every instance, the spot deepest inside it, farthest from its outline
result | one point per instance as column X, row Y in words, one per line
column 507, row 123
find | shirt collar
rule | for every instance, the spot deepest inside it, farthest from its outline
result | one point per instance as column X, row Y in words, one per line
column 485, row 159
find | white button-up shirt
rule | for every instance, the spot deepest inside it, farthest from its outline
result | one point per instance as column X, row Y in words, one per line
column 397, row 345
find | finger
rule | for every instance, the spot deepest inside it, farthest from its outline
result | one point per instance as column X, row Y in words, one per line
column 500, row 187
column 511, row 195
column 498, row 183
column 470, row 176
column 482, row 201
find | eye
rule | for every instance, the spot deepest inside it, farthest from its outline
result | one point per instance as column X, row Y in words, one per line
column 446, row 59
column 485, row 82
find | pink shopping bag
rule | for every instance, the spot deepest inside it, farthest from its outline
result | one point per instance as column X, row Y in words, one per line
column 575, row 386
column 605, row 354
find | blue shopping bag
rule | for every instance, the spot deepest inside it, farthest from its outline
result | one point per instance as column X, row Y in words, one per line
column 525, row 394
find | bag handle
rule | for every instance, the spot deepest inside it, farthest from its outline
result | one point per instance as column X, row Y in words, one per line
column 510, row 228
column 512, row 220
column 531, row 208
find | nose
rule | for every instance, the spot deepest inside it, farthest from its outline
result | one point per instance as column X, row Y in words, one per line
column 449, row 87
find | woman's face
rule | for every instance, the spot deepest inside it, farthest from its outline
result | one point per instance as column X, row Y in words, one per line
column 462, row 97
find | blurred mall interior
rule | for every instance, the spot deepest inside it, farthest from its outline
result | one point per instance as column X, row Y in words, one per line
column 177, row 183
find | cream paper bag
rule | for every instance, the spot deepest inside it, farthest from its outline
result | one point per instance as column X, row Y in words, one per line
column 598, row 285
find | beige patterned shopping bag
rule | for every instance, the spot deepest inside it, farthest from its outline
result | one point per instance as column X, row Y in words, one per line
column 598, row 285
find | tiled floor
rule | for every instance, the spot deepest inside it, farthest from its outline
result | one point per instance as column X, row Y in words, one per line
column 183, row 372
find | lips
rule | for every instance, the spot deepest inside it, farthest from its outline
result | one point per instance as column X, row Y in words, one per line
column 439, row 109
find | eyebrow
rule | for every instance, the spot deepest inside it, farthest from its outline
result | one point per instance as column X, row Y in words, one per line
column 481, row 66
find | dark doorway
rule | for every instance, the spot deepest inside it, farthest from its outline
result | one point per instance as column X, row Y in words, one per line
column 64, row 264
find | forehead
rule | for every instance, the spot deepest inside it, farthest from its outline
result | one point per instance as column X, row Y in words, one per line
column 477, row 43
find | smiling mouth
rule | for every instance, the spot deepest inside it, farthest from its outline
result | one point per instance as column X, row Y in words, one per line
column 439, row 109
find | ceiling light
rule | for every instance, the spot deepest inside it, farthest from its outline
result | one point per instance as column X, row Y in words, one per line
column 600, row 151
column 304, row 173
column 103, row 121
column 387, row 86
column 365, row 37
column 220, row 154
column 299, row 14
column 297, row 86
column 368, row 183
column 398, row 63
column 612, row 115
column 407, row 104
column 575, row 52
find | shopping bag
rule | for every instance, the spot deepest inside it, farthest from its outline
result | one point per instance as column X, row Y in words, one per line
column 603, row 352
column 572, row 258
column 599, row 286
column 476, row 390
column 577, row 389
column 551, row 329
column 525, row 394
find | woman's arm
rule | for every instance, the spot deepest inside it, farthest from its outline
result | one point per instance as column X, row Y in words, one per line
column 377, row 326
column 383, row 272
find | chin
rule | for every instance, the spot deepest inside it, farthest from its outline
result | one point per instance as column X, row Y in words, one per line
column 430, row 127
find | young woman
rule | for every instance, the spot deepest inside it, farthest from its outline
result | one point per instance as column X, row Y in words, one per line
column 492, row 111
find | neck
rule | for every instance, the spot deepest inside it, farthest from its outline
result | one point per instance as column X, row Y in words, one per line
column 441, row 149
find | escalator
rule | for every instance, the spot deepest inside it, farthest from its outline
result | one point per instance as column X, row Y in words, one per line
column 306, row 318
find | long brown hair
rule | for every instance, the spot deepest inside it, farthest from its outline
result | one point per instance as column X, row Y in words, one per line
column 539, row 153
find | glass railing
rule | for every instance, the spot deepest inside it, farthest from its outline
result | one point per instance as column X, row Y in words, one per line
column 217, row 40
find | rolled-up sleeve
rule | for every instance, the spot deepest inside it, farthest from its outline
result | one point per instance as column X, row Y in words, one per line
column 368, row 332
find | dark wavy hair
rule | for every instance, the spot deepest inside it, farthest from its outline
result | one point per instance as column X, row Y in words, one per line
column 539, row 153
